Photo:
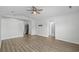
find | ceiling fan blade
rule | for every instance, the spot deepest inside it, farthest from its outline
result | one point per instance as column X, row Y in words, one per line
column 38, row 12
column 40, row 9
column 34, row 8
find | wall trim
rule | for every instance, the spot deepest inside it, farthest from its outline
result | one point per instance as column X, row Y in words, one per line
column 12, row 37
column 69, row 41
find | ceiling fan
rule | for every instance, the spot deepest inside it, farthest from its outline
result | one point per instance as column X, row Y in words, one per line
column 35, row 10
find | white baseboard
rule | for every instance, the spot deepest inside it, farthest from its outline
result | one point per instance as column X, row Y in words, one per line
column 4, row 38
column 42, row 35
column 70, row 41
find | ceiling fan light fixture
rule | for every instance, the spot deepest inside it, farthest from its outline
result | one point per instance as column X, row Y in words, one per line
column 34, row 13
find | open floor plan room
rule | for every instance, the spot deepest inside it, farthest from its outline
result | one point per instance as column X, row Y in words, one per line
column 39, row 28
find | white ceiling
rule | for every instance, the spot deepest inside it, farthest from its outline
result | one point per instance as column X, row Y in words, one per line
column 48, row 11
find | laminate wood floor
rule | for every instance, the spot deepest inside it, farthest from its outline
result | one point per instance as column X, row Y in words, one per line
column 37, row 44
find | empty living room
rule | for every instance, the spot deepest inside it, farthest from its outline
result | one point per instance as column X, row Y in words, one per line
column 39, row 28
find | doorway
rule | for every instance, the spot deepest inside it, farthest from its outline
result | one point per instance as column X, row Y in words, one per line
column 52, row 29
column 26, row 29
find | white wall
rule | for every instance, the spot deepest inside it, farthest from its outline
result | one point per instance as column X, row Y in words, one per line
column 33, row 31
column 42, row 31
column 11, row 28
column 45, row 29
column 67, row 28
